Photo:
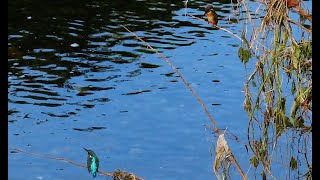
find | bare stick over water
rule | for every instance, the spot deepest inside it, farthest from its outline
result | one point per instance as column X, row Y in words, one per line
column 223, row 29
column 62, row 159
column 194, row 94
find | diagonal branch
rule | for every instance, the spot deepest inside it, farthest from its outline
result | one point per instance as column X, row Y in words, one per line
column 223, row 29
column 194, row 94
column 63, row 159
column 181, row 77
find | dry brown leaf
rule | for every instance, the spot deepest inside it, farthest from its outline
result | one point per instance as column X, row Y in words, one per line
column 221, row 152
column 292, row 3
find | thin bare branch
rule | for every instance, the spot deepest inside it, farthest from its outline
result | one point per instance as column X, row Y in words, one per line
column 303, row 13
column 218, row 27
column 194, row 94
column 298, row 24
column 62, row 159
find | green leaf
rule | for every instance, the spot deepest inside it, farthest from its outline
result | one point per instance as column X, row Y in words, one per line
column 287, row 122
column 283, row 104
column 306, row 49
column 293, row 87
column 299, row 122
column 294, row 109
column 293, row 163
column 254, row 161
column 296, row 56
column 254, row 83
column 244, row 55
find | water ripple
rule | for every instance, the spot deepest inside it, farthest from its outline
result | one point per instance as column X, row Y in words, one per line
column 90, row 129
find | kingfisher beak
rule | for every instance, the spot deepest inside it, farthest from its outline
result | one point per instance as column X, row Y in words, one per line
column 87, row 150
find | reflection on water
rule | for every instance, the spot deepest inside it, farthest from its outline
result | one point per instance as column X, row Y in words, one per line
column 77, row 79
column 54, row 46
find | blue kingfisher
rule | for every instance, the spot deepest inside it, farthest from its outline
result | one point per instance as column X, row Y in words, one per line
column 92, row 162
column 211, row 15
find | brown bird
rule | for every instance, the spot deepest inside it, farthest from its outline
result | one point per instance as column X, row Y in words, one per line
column 211, row 15
column 292, row 3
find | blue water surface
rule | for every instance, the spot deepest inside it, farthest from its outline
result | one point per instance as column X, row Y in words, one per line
column 77, row 79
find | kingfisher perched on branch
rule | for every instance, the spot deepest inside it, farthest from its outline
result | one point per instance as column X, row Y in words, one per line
column 211, row 15
column 92, row 162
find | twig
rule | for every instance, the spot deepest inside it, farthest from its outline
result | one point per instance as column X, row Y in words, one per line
column 181, row 77
column 48, row 157
column 218, row 27
column 233, row 34
column 61, row 159
column 303, row 13
column 185, row 7
column 194, row 94
column 298, row 24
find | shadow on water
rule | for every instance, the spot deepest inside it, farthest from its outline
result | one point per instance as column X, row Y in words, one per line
column 51, row 43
